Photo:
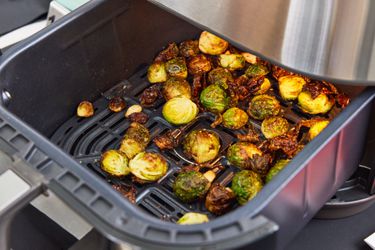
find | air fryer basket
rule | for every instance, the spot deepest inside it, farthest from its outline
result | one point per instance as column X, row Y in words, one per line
column 106, row 44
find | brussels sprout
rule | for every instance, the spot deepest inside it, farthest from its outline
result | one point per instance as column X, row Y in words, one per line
column 232, row 61
column 320, row 105
column 133, row 109
column 241, row 153
column 167, row 54
column 202, row 145
column 234, row 118
column 180, row 110
column 316, row 128
column 192, row 218
column 85, row 109
column 279, row 165
column 264, row 86
column 189, row 48
column 214, row 98
column 115, row 163
column 220, row 77
column 176, row 87
column 263, row 106
column 199, row 64
column 177, row 67
column 274, row 126
column 290, row 86
column 246, row 184
column 157, row 72
column 116, row 104
column 250, row 58
column 256, row 70
column 211, row 44
column 148, row 166
column 135, row 140
column 219, row 199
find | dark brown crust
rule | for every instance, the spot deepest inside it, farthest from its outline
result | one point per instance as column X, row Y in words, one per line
column 151, row 95
column 165, row 141
column 167, row 54
column 219, row 199
column 139, row 117
column 116, row 104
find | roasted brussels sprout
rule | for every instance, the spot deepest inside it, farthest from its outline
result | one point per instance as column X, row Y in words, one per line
column 148, row 166
column 176, row 67
column 115, row 163
column 211, row 44
column 256, row 70
column 176, row 87
column 85, row 109
column 263, row 106
column 316, row 128
column 235, row 118
column 279, row 165
column 232, row 61
column 290, row 86
column 192, row 218
column 133, row 109
column 189, row 48
column 264, row 86
column 157, row 72
column 214, row 98
column 167, row 54
column 139, row 117
column 199, row 64
column 116, row 104
column 274, row 126
column 202, row 145
column 246, row 184
column 320, row 105
column 135, row 140
column 241, row 153
column 180, row 110
column 150, row 95
column 250, row 58
column 220, row 77
column 219, row 199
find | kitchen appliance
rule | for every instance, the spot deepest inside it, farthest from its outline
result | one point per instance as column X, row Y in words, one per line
column 99, row 50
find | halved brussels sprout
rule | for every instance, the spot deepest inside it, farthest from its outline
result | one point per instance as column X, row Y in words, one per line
column 320, row 105
column 232, row 61
column 274, row 126
column 190, row 186
column 85, row 109
column 219, row 199
column 189, row 48
column 316, row 128
column 176, row 67
column 246, row 184
column 279, row 165
column 235, row 118
column 148, row 166
column 241, row 153
column 135, row 140
column 214, row 98
column 133, row 109
column 220, row 77
column 256, row 70
column 157, row 72
column 115, row 163
column 179, row 110
column 263, row 106
column 202, row 145
column 250, row 58
column 264, row 87
column 116, row 104
column 192, row 218
column 211, row 44
column 176, row 87
column 290, row 86
column 199, row 64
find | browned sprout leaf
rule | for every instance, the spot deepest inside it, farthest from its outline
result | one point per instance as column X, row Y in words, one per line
column 116, row 104
column 278, row 72
column 128, row 192
column 251, row 135
column 287, row 143
column 85, row 109
column 169, row 53
column 151, row 95
column 342, row 100
column 219, row 199
column 139, row 117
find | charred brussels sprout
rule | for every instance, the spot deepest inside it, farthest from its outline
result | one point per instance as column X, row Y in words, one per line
column 176, row 87
column 220, row 77
column 199, row 64
column 316, row 128
column 211, row 44
column 263, row 106
column 167, row 54
column 256, row 70
column 219, row 199
column 214, row 98
column 148, row 166
column 85, row 109
column 157, row 72
column 246, row 184
column 320, row 105
column 190, row 186
column 264, row 86
column 189, row 48
column 241, row 153
column 290, row 86
column 279, row 165
column 232, row 61
column 180, row 110
column 192, row 218
column 116, row 104
column 115, row 163
column 135, row 140
column 202, row 145
column 274, row 126
column 176, row 67
column 234, row 118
